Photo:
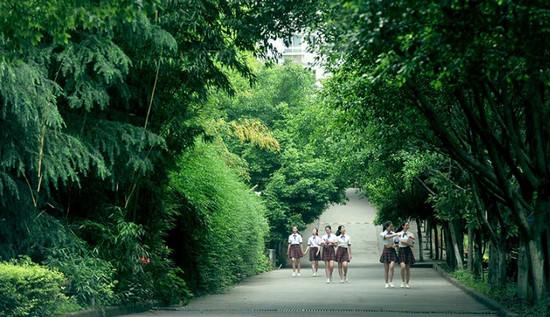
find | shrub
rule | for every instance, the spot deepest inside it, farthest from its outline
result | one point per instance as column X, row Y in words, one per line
column 90, row 280
column 170, row 288
column 222, row 225
column 29, row 290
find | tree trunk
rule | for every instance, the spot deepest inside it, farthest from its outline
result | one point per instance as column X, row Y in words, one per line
column 419, row 242
column 523, row 272
column 436, row 241
column 497, row 265
column 471, row 249
column 546, row 242
column 442, row 242
column 455, row 244
column 429, row 225
column 478, row 255
column 537, row 271
column 449, row 250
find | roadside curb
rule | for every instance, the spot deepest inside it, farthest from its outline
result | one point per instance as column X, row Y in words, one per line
column 105, row 312
column 484, row 299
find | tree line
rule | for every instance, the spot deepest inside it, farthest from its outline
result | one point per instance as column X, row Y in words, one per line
column 446, row 114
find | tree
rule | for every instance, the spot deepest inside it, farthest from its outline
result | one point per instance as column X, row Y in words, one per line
column 491, row 76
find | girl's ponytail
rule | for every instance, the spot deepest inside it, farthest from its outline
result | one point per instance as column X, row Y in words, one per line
column 338, row 233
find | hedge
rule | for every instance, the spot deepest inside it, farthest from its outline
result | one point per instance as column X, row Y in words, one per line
column 29, row 290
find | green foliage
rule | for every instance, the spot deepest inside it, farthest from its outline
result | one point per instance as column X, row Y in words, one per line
column 170, row 288
column 29, row 290
column 121, row 243
column 90, row 280
column 478, row 98
column 297, row 183
column 224, row 230
column 299, row 191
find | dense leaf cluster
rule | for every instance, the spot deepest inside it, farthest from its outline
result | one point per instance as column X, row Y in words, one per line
column 98, row 100
column 463, row 85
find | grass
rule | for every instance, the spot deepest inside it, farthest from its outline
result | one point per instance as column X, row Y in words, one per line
column 506, row 296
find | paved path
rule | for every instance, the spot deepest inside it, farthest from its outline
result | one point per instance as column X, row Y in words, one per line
column 276, row 293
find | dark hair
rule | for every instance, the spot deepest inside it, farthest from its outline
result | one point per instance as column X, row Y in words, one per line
column 338, row 233
column 328, row 226
column 386, row 224
column 403, row 226
column 297, row 230
column 316, row 231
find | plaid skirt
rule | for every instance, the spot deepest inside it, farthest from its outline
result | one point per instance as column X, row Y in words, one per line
column 342, row 254
column 328, row 254
column 313, row 256
column 406, row 255
column 296, row 251
column 388, row 255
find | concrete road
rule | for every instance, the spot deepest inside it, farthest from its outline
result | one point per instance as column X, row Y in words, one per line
column 277, row 293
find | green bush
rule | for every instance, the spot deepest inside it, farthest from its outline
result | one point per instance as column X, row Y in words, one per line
column 170, row 288
column 29, row 290
column 223, row 222
column 90, row 280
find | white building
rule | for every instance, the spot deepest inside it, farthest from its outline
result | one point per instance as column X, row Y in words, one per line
column 296, row 51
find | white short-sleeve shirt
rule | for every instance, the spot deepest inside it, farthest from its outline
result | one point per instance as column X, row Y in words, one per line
column 326, row 238
column 344, row 241
column 388, row 241
column 294, row 238
column 314, row 241
column 407, row 237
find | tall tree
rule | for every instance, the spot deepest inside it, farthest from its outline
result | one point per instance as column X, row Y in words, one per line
column 491, row 74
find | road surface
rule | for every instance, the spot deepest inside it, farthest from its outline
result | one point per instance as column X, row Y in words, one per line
column 277, row 293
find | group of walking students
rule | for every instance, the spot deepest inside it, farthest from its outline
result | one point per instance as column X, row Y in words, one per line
column 337, row 247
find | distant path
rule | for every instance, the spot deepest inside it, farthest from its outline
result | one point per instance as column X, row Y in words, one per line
column 276, row 293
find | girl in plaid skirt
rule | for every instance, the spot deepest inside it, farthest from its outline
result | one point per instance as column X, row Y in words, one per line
column 328, row 241
column 294, row 250
column 313, row 244
column 406, row 256
column 389, row 256
column 343, row 255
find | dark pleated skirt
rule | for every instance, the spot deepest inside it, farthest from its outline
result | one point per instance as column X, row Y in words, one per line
column 296, row 251
column 328, row 254
column 342, row 255
column 388, row 255
column 313, row 256
column 406, row 256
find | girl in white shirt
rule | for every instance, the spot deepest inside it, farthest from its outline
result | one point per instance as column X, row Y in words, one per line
column 294, row 250
column 328, row 241
column 313, row 244
column 389, row 256
column 343, row 255
column 406, row 256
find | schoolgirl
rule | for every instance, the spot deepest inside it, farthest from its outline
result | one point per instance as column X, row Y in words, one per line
column 343, row 254
column 389, row 256
column 406, row 256
column 328, row 241
column 294, row 250
column 313, row 244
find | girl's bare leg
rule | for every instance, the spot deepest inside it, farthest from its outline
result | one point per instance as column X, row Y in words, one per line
column 392, row 265
column 345, row 268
